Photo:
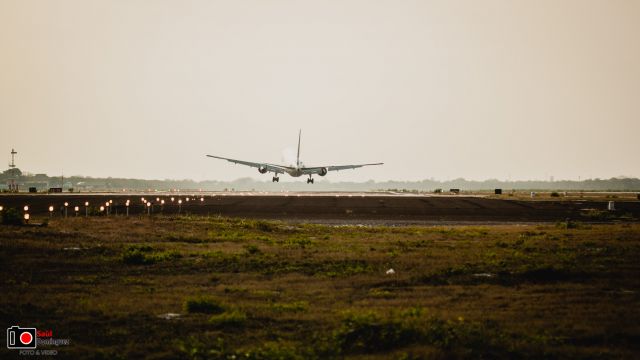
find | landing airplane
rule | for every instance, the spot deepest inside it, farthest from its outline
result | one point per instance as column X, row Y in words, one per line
column 296, row 171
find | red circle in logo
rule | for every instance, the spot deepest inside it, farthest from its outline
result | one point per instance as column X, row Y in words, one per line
column 26, row 338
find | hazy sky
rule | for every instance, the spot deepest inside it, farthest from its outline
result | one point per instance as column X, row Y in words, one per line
column 442, row 89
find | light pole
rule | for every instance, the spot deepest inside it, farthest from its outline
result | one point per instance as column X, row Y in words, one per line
column 149, row 208
column 26, row 218
column 179, row 206
column 127, row 204
column 86, row 209
column 161, row 206
column 76, row 209
column 101, row 209
column 50, row 211
column 107, row 207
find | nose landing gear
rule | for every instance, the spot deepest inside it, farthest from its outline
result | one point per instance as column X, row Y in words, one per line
column 310, row 180
column 275, row 179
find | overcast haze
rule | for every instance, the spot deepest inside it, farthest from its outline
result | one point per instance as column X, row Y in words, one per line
column 435, row 89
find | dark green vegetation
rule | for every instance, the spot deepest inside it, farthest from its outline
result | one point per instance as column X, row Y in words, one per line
column 42, row 182
column 12, row 217
column 251, row 289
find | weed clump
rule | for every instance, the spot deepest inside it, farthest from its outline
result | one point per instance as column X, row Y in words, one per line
column 203, row 304
column 252, row 249
column 264, row 226
column 568, row 224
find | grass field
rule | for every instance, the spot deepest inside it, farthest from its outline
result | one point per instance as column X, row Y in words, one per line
column 252, row 289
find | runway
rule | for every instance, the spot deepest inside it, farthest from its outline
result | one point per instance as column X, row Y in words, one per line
column 332, row 208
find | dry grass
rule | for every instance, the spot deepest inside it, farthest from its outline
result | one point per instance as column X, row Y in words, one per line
column 283, row 290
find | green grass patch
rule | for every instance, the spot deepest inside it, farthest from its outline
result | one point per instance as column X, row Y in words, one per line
column 298, row 241
column 296, row 306
column 146, row 255
column 232, row 318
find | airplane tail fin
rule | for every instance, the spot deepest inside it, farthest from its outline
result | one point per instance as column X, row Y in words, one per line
column 298, row 156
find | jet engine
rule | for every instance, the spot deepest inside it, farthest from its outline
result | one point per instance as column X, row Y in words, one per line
column 262, row 169
column 323, row 171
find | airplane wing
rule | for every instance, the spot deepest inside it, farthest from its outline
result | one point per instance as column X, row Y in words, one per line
column 321, row 170
column 278, row 169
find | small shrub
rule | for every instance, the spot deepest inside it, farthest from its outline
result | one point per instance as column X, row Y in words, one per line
column 264, row 226
column 136, row 254
column 202, row 304
column 143, row 248
column 252, row 249
column 12, row 216
column 547, row 273
column 134, row 257
column 568, row 224
column 367, row 332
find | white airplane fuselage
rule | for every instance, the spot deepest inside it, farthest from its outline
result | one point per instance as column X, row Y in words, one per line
column 295, row 172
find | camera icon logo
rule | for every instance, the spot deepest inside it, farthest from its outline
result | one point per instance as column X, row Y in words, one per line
column 21, row 338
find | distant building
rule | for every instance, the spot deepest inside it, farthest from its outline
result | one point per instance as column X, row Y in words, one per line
column 39, row 185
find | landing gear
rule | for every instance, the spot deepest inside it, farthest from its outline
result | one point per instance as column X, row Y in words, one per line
column 310, row 180
column 275, row 179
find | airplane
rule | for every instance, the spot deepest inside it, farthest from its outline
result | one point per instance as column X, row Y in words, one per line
column 294, row 171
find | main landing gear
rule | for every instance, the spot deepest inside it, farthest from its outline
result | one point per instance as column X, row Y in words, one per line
column 275, row 179
column 310, row 180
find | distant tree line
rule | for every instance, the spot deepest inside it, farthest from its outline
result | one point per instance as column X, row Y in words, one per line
column 82, row 183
